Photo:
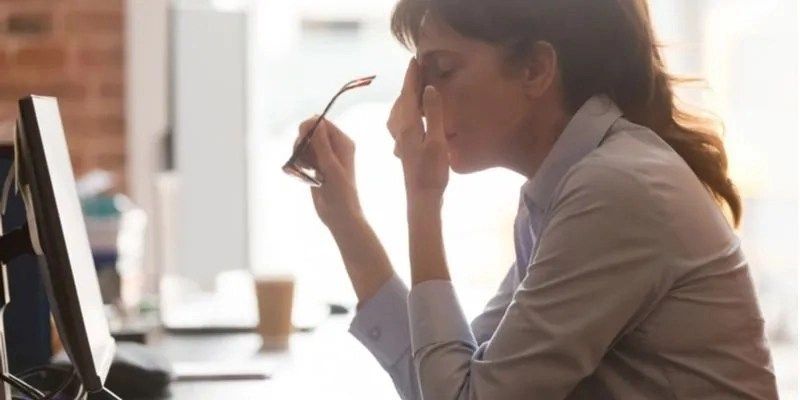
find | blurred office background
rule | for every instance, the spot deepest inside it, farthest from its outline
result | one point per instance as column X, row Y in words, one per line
column 193, row 105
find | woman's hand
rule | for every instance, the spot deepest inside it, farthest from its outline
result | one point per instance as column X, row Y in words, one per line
column 423, row 152
column 331, row 153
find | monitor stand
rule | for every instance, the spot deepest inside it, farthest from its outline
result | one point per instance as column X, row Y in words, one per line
column 104, row 394
column 14, row 244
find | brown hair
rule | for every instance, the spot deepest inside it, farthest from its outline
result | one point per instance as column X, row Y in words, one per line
column 604, row 47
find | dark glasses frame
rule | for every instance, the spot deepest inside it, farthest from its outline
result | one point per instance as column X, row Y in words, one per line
column 309, row 175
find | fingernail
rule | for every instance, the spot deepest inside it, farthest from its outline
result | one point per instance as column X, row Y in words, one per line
column 430, row 90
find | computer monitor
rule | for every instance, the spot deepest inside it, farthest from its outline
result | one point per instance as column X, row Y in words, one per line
column 59, row 239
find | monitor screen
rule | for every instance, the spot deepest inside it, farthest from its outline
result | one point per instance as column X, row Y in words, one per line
column 58, row 233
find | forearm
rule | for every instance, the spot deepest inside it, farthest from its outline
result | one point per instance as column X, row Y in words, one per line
column 381, row 322
column 364, row 257
column 426, row 244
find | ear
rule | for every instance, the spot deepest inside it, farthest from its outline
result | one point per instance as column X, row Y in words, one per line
column 541, row 68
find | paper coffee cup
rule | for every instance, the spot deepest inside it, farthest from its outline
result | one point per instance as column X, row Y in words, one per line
column 275, row 297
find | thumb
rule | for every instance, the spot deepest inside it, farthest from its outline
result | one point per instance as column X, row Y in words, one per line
column 343, row 146
column 432, row 105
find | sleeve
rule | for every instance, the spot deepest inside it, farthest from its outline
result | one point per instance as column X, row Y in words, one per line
column 484, row 325
column 387, row 312
column 597, row 272
column 381, row 325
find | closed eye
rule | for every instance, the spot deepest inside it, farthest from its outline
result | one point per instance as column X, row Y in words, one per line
column 441, row 74
column 432, row 73
column 444, row 74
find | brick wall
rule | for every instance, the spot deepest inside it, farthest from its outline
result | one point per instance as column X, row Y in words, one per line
column 71, row 49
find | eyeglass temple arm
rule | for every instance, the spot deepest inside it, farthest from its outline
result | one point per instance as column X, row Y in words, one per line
column 307, row 139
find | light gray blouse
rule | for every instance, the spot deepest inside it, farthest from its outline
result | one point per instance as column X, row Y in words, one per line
column 628, row 283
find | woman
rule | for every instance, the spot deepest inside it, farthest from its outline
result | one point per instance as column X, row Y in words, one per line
column 629, row 282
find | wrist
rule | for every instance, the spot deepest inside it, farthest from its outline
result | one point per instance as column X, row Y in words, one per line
column 347, row 225
column 426, row 244
column 424, row 203
column 365, row 260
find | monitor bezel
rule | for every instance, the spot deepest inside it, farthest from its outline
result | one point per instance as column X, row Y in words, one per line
column 54, row 260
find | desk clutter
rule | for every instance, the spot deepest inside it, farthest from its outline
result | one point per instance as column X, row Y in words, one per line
column 136, row 371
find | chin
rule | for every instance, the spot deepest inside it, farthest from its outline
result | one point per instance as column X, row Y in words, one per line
column 462, row 166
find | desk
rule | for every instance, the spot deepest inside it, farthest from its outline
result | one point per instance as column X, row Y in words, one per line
column 326, row 364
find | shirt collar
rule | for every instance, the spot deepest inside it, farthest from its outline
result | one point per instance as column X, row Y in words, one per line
column 583, row 133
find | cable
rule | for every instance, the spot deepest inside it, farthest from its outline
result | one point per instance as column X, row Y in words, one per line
column 64, row 386
column 68, row 382
column 70, row 375
column 40, row 368
column 23, row 387
column 81, row 392
column 69, row 372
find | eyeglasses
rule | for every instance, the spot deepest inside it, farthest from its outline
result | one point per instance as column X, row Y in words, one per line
column 306, row 174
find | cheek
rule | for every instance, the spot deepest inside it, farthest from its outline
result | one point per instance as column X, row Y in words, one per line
column 465, row 109
column 485, row 92
column 482, row 115
column 482, row 110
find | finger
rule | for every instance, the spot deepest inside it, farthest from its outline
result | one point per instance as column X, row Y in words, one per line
column 411, row 85
column 405, row 120
column 432, row 104
column 406, row 108
column 305, row 158
column 321, row 144
column 343, row 146
column 305, row 129
column 410, row 140
column 402, row 117
column 392, row 122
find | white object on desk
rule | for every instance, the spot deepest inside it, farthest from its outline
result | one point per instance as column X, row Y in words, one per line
column 185, row 306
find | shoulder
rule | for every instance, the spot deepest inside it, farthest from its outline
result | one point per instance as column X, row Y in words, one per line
column 626, row 173
column 636, row 179
column 598, row 182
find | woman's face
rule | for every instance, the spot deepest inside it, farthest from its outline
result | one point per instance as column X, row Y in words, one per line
column 484, row 102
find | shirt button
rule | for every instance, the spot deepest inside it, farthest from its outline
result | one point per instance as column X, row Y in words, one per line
column 375, row 333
